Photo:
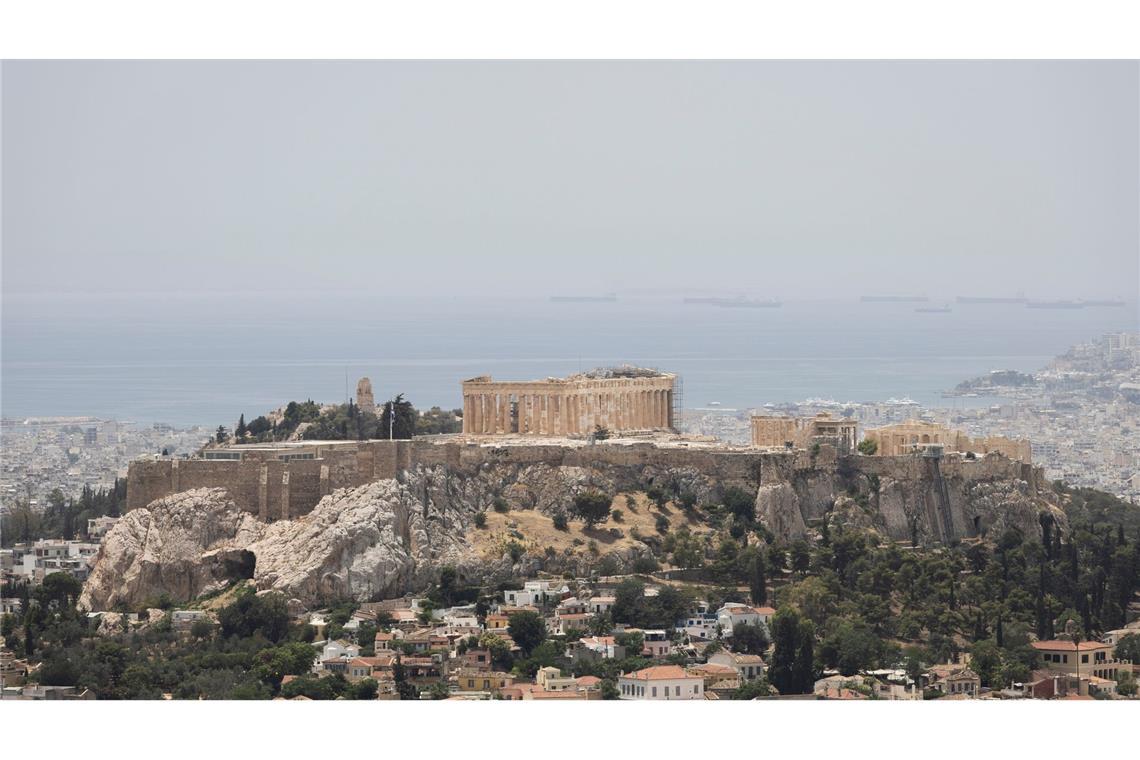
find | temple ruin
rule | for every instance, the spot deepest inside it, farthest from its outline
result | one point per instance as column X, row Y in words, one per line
column 619, row 399
column 905, row 437
column 802, row 432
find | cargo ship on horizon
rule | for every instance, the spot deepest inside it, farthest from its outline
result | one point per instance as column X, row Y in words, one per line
column 740, row 302
column 894, row 299
column 991, row 299
column 1078, row 303
column 607, row 298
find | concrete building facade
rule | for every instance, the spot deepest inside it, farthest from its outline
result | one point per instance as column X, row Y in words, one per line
column 624, row 399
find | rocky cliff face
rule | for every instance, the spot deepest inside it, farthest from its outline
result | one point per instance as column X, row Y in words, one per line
column 380, row 540
column 392, row 536
column 183, row 545
column 905, row 498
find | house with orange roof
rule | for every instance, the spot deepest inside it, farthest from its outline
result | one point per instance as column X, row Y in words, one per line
column 746, row 667
column 1088, row 658
column 541, row 694
column 589, row 683
column 713, row 673
column 368, row 667
column 953, row 680
column 661, row 682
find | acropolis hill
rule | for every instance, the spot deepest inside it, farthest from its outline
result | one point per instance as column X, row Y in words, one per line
column 379, row 517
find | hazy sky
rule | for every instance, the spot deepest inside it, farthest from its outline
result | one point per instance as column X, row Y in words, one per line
column 788, row 179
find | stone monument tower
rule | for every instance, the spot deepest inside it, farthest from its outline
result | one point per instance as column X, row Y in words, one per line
column 364, row 400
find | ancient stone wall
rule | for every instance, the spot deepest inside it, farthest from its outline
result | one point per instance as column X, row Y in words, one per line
column 266, row 485
column 908, row 496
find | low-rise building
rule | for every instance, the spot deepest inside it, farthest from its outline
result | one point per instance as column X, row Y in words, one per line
column 1088, row 658
column 661, row 682
column 735, row 613
column 483, row 680
column 747, row 667
column 596, row 648
column 657, row 643
column 953, row 680
column 551, row 679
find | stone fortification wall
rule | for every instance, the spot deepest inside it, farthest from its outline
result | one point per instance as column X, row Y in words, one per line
column 906, row 497
column 263, row 484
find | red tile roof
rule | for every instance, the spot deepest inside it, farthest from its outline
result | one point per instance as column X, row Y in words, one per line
column 1068, row 646
column 556, row 695
column 660, row 673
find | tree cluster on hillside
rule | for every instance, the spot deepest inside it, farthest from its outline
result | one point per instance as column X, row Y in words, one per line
column 348, row 422
column 62, row 517
column 246, row 656
column 868, row 601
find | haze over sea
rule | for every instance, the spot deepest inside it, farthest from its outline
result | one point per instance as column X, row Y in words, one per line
column 194, row 358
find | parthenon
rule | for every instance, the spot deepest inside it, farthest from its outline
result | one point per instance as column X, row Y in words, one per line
column 618, row 399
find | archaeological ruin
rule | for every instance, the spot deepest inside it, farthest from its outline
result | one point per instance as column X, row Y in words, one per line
column 364, row 400
column 905, row 437
column 621, row 399
column 802, row 432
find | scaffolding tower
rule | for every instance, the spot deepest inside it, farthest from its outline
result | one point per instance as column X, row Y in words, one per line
column 678, row 402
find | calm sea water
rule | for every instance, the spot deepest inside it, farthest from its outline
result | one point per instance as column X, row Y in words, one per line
column 205, row 359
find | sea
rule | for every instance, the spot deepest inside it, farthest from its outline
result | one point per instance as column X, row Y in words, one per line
column 190, row 359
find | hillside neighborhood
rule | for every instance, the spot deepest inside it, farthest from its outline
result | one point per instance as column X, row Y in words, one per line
column 574, row 639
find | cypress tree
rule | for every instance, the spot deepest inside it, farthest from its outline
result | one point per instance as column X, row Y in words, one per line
column 759, row 582
column 805, row 658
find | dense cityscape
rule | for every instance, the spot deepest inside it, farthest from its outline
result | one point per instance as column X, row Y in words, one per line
column 1081, row 414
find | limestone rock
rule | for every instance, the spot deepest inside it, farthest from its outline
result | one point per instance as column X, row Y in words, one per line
column 183, row 545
